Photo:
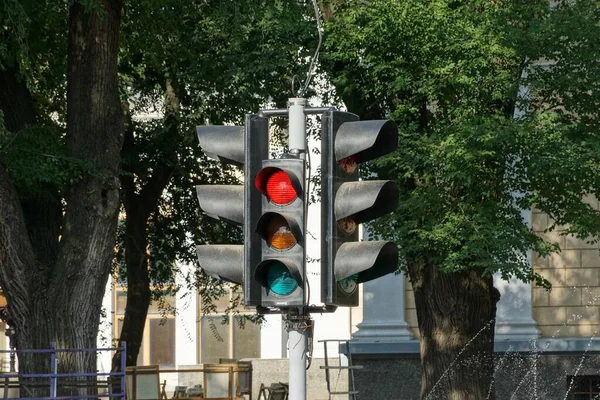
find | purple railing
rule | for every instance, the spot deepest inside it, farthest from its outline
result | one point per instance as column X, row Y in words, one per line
column 12, row 380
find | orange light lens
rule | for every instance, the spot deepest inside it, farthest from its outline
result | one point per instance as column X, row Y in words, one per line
column 279, row 235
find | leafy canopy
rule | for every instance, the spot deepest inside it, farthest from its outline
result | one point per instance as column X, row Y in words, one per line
column 475, row 147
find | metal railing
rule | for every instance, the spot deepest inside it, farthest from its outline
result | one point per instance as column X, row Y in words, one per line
column 113, row 383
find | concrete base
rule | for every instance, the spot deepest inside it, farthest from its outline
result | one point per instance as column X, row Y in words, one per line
column 274, row 371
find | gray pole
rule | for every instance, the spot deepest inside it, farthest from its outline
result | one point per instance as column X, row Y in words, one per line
column 298, row 349
column 297, row 126
column 297, row 332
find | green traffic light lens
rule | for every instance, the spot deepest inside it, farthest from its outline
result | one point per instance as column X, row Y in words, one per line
column 350, row 284
column 280, row 281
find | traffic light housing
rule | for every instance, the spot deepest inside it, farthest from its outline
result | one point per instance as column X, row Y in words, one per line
column 347, row 202
column 244, row 147
column 280, row 227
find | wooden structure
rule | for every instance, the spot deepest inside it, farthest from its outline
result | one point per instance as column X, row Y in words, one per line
column 277, row 391
column 227, row 381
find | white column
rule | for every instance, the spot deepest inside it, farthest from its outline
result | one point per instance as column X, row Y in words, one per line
column 514, row 313
column 272, row 337
column 383, row 311
column 186, row 302
column 105, row 336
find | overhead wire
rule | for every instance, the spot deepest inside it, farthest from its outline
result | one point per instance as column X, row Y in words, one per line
column 315, row 56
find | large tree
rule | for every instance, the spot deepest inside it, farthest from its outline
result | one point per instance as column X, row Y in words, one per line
column 453, row 73
column 194, row 63
column 57, row 234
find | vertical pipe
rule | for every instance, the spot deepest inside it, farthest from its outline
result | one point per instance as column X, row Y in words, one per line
column 297, row 126
column 298, row 346
column 123, row 369
column 298, row 334
column 11, row 337
column 53, row 371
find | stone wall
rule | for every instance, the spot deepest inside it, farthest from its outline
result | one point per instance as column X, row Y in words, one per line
column 520, row 376
column 571, row 308
column 388, row 378
column 273, row 371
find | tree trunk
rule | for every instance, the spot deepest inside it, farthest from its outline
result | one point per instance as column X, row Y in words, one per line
column 138, row 285
column 42, row 215
column 24, row 269
column 456, row 314
column 138, row 207
column 17, row 260
column 66, row 306
column 54, row 285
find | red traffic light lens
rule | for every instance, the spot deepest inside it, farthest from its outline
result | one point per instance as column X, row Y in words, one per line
column 279, row 189
column 348, row 164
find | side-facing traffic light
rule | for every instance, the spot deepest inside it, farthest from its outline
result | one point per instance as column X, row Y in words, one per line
column 243, row 146
column 347, row 202
column 280, row 271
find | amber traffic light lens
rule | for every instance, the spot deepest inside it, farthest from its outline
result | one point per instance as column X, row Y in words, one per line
column 348, row 225
column 278, row 234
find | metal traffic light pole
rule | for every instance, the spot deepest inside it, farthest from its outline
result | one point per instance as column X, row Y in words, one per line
column 297, row 325
column 298, row 322
column 272, row 205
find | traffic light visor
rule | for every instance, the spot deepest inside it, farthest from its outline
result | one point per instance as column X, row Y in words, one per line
column 365, row 140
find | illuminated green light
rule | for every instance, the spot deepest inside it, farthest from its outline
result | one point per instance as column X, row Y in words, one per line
column 280, row 281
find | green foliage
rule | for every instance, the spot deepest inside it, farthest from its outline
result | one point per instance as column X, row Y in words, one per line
column 449, row 72
column 221, row 60
column 36, row 160
column 226, row 58
column 34, row 40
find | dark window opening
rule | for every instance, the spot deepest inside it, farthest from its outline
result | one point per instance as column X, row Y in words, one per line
column 583, row 387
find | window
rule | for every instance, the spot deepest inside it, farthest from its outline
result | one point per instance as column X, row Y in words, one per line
column 583, row 387
column 161, row 341
column 231, row 339
column 215, row 340
column 158, row 344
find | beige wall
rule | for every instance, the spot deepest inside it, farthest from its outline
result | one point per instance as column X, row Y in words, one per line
column 571, row 308
column 410, row 312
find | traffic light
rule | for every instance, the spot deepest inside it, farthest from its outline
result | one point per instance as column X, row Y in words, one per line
column 243, row 146
column 280, row 271
column 347, row 202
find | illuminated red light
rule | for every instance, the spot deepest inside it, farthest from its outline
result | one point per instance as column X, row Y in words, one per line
column 279, row 188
